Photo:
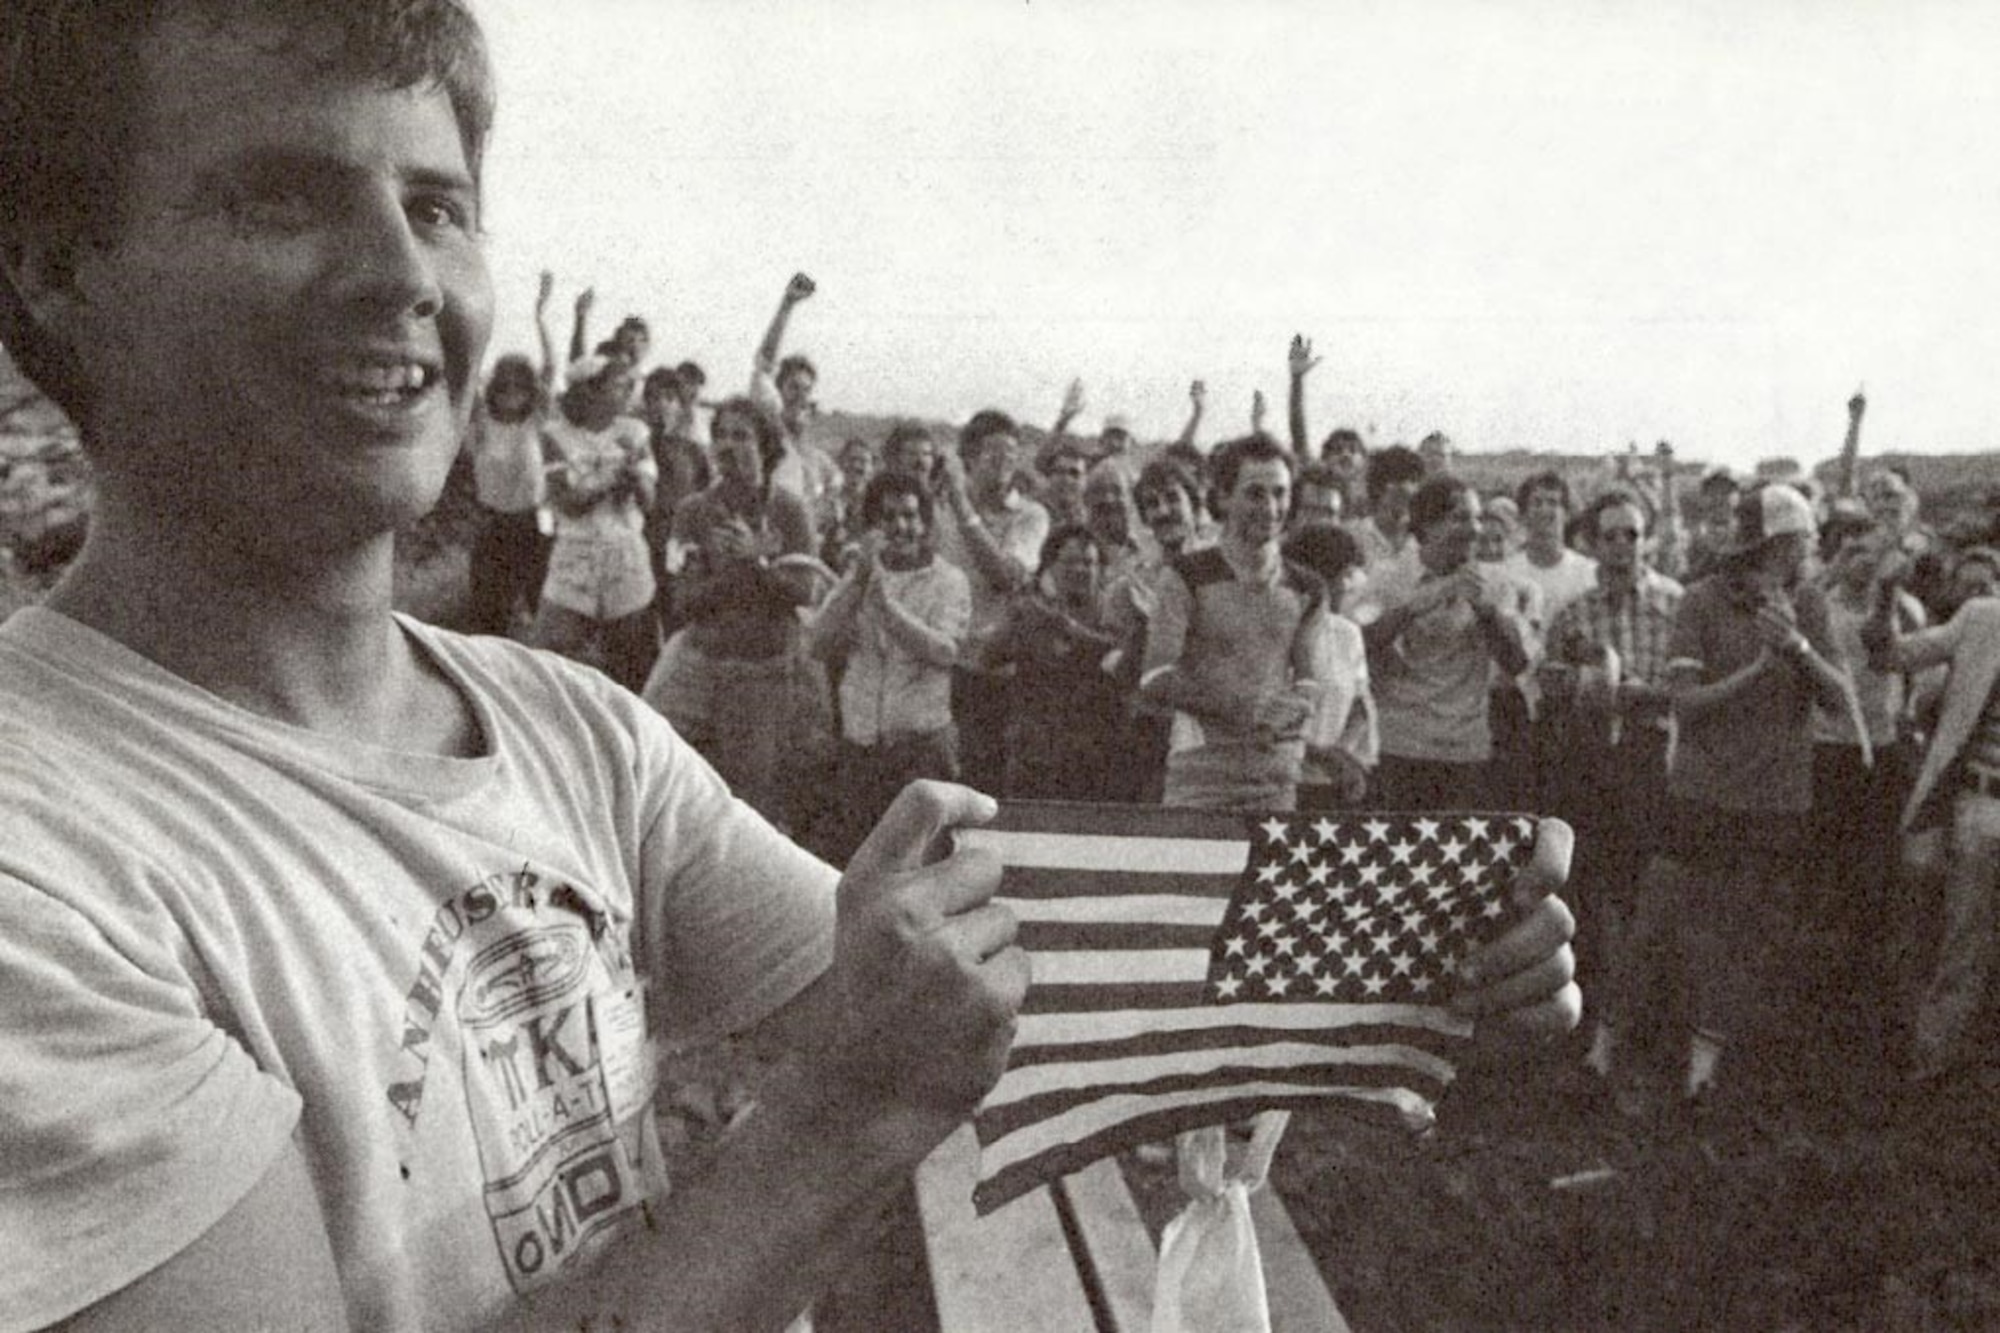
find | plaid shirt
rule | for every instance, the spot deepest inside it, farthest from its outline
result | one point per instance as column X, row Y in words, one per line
column 1638, row 625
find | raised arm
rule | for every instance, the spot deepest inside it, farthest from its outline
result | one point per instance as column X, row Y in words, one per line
column 545, row 374
column 798, row 289
column 579, row 329
column 1300, row 361
column 1197, row 401
column 1850, row 448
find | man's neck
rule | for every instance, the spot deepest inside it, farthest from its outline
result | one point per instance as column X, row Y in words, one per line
column 312, row 644
column 1257, row 563
column 1544, row 551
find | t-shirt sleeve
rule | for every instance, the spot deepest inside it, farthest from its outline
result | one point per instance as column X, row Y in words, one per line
column 735, row 918
column 129, row 1122
column 1166, row 632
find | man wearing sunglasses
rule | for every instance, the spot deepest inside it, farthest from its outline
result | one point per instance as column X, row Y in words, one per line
column 1603, row 690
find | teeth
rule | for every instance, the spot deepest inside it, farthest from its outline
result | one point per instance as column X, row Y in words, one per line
column 380, row 381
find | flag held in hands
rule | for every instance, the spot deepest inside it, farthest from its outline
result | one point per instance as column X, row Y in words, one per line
column 1192, row 967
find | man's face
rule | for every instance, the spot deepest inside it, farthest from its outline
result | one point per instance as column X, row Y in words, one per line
column 1546, row 513
column 1115, row 441
column 1318, row 507
column 1495, row 540
column 1447, row 544
column 1105, row 510
column 857, row 465
column 795, row 391
column 901, row 521
column 283, row 335
column 1168, row 514
column 912, row 456
column 1889, row 501
column 995, row 459
column 1393, row 505
column 736, row 456
column 1254, row 510
column 1074, row 571
column 633, row 344
column 1065, row 482
column 1620, row 534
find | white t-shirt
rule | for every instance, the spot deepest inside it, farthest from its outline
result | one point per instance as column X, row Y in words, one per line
column 1561, row 583
column 219, row 932
column 594, row 459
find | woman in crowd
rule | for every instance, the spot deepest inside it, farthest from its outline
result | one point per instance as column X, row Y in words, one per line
column 733, row 680
column 597, row 599
column 1068, row 715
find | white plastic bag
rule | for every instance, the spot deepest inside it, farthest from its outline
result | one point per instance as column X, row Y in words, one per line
column 1211, row 1275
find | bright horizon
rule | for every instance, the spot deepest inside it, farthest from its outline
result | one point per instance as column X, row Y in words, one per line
column 1560, row 227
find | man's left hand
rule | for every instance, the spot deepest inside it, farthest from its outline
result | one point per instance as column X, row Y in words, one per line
column 1524, row 981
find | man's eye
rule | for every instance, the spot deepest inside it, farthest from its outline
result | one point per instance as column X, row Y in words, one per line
column 441, row 211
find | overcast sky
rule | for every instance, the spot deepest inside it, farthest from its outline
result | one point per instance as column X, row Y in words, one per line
column 1550, row 224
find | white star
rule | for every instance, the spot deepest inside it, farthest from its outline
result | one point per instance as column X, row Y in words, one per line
column 1268, row 872
column 1429, row 939
column 1287, row 890
column 1503, row 849
column 1235, row 945
column 1402, row 852
column 1371, row 875
column 1257, row 965
column 1326, row 985
column 1420, row 877
column 1378, row 830
column 1326, row 829
column 1352, row 852
column 1302, row 853
column 1451, row 848
column 1427, row 829
column 1402, row 963
column 1475, row 829
column 1420, row 983
column 1352, row 963
column 1252, row 911
column 1271, row 928
column 1228, row 986
column 1492, row 908
column 1274, row 829
column 1316, row 876
column 1282, row 944
column 1374, row 985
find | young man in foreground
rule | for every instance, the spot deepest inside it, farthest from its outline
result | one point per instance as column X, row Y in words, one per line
column 332, row 942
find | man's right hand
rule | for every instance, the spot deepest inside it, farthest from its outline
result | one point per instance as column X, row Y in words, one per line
column 799, row 288
column 926, row 972
column 1300, row 359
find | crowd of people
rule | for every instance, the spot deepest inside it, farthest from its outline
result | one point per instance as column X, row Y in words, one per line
column 1730, row 686
column 339, row 948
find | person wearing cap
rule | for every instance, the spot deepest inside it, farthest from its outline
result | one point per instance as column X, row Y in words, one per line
column 1751, row 653
column 1956, row 794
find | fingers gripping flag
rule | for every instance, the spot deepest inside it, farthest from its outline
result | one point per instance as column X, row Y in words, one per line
column 1193, row 967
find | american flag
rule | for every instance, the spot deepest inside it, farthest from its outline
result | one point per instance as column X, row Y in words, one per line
column 1192, row 967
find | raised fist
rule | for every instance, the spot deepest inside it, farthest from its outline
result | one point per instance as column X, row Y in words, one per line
column 799, row 288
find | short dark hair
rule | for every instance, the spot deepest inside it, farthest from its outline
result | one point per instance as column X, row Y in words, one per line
column 1063, row 448
column 690, row 372
column 886, row 486
column 1344, row 439
column 1435, row 499
column 985, row 422
column 1397, row 463
column 660, row 379
column 1230, row 457
column 1591, row 520
column 903, row 432
column 635, row 323
column 1839, row 526
column 1060, row 536
column 1548, row 479
column 1169, row 473
column 1327, row 552
column 71, row 90
column 793, row 364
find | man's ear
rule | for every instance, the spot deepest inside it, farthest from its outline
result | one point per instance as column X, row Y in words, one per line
column 39, row 304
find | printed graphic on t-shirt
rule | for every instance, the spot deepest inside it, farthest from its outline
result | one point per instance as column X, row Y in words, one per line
column 556, row 1075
